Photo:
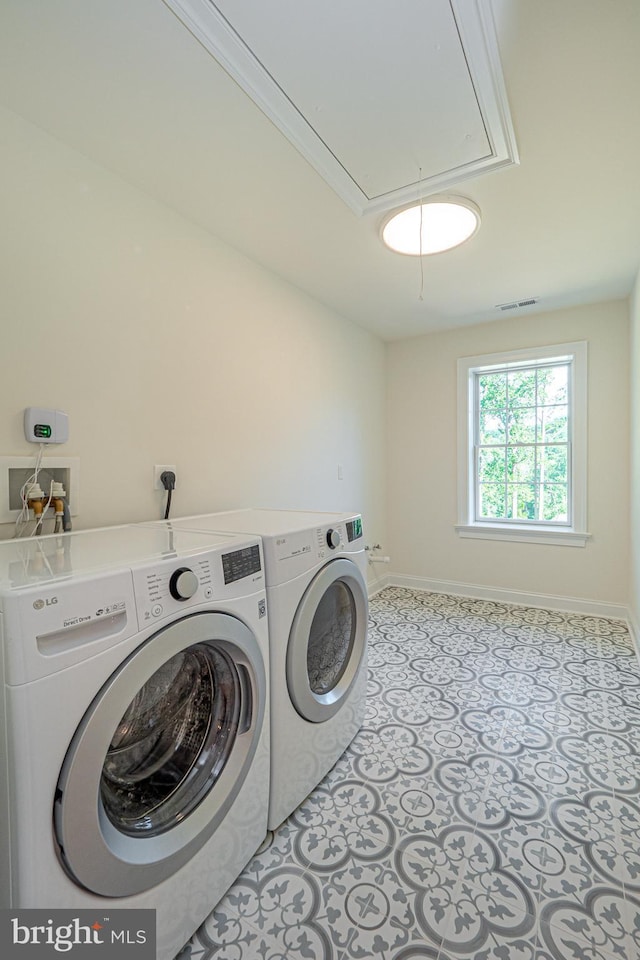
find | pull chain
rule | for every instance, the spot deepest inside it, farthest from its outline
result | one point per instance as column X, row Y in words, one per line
column 421, row 296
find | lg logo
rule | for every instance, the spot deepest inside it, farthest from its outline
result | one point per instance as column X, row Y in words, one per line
column 40, row 604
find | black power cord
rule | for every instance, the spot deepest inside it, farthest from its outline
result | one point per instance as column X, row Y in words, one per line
column 168, row 481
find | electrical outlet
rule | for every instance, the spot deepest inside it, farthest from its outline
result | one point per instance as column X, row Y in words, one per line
column 158, row 470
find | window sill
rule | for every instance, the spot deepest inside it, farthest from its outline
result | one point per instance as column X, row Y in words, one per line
column 523, row 534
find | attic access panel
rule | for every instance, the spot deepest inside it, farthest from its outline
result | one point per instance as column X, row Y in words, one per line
column 387, row 100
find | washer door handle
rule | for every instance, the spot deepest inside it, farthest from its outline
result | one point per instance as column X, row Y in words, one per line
column 246, row 699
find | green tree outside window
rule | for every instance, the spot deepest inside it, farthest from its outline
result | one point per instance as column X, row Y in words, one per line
column 522, row 444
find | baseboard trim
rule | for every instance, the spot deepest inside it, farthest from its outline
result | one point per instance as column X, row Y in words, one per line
column 375, row 585
column 566, row 604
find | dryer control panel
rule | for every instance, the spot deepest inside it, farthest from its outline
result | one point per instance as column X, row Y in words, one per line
column 296, row 550
column 330, row 540
column 354, row 529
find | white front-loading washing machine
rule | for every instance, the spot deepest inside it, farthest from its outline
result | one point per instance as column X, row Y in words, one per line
column 315, row 566
column 134, row 760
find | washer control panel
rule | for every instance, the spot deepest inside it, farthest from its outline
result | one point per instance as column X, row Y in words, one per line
column 163, row 589
column 184, row 580
column 183, row 583
column 241, row 563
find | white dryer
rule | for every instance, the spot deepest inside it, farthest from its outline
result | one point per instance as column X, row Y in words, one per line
column 315, row 567
column 134, row 762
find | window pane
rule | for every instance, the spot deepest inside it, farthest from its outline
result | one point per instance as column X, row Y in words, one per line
column 553, row 384
column 553, row 465
column 521, row 501
column 553, row 503
column 492, row 390
column 491, row 503
column 522, row 388
column 521, row 464
column 522, row 425
column 526, row 441
column 491, row 465
column 553, row 423
column 492, row 427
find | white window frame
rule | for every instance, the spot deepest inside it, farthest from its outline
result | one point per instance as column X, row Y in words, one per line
column 574, row 532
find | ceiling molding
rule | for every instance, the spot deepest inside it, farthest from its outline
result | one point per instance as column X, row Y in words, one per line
column 473, row 21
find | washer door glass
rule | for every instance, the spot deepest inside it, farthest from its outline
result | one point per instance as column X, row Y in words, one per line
column 161, row 754
column 327, row 642
column 173, row 741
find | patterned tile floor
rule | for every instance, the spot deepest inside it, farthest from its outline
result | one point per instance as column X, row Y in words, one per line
column 488, row 809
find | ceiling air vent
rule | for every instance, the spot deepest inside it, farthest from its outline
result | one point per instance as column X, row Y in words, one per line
column 517, row 304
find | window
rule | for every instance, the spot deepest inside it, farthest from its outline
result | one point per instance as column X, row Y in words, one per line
column 522, row 445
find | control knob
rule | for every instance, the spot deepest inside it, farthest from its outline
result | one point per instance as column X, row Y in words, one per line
column 333, row 538
column 183, row 583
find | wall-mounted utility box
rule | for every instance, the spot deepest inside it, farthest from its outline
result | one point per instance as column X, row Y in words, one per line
column 43, row 425
column 15, row 470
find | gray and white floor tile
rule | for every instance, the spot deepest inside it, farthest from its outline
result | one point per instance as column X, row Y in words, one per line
column 489, row 808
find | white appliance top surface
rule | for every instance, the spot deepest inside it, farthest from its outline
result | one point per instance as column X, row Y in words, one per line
column 265, row 523
column 32, row 560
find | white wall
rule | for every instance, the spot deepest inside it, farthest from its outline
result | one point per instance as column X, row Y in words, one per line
column 422, row 479
column 164, row 345
column 634, row 601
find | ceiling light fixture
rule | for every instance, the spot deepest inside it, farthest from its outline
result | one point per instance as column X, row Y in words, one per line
column 431, row 226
